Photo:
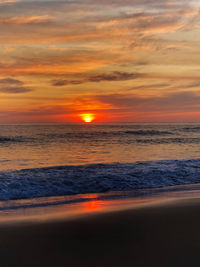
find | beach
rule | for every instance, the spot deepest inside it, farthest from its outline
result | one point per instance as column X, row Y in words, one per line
column 159, row 230
column 100, row 195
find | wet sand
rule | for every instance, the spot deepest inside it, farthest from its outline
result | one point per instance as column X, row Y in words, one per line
column 160, row 233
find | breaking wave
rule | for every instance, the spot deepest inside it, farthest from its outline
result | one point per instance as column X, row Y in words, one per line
column 96, row 178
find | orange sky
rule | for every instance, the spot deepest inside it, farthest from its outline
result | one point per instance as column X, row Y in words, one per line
column 130, row 60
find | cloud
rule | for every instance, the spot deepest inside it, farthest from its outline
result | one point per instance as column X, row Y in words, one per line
column 15, row 90
column 172, row 102
column 2, row 2
column 114, row 106
column 66, row 82
column 45, row 110
column 150, row 86
column 114, row 76
column 45, row 62
column 95, row 78
column 13, row 86
column 191, row 85
column 129, row 48
column 120, row 104
column 10, row 81
column 25, row 20
column 125, row 20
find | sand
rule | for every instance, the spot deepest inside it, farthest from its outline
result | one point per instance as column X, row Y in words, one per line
column 160, row 232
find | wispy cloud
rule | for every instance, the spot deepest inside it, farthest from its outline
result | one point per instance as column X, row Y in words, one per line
column 25, row 20
column 118, row 57
column 8, row 1
column 173, row 102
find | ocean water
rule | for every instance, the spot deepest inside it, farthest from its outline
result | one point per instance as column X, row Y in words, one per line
column 64, row 159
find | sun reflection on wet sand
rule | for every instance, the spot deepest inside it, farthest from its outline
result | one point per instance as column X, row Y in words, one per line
column 58, row 208
column 94, row 205
column 74, row 207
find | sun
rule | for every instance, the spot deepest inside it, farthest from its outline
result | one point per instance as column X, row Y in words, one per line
column 87, row 117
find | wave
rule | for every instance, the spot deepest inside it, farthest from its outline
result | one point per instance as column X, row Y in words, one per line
column 177, row 140
column 11, row 139
column 5, row 141
column 148, row 132
column 96, row 178
column 101, row 135
column 192, row 129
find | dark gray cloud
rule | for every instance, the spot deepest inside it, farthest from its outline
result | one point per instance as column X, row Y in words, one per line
column 110, row 77
column 65, row 82
column 114, row 76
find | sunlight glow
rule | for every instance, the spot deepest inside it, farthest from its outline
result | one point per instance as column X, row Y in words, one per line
column 87, row 117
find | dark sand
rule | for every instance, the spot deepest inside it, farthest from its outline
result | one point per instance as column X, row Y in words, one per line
column 164, row 234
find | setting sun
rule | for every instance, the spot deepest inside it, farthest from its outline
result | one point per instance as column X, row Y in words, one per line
column 87, row 117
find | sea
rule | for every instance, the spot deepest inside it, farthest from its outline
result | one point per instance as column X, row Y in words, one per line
column 48, row 160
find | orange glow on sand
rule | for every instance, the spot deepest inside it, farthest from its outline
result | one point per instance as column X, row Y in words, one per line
column 87, row 117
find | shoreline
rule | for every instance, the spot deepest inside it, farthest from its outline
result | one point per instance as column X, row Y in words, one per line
column 56, row 208
column 161, row 230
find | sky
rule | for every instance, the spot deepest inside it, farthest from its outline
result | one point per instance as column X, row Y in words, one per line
column 120, row 60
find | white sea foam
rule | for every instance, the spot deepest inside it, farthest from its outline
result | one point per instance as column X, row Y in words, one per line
column 69, row 180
